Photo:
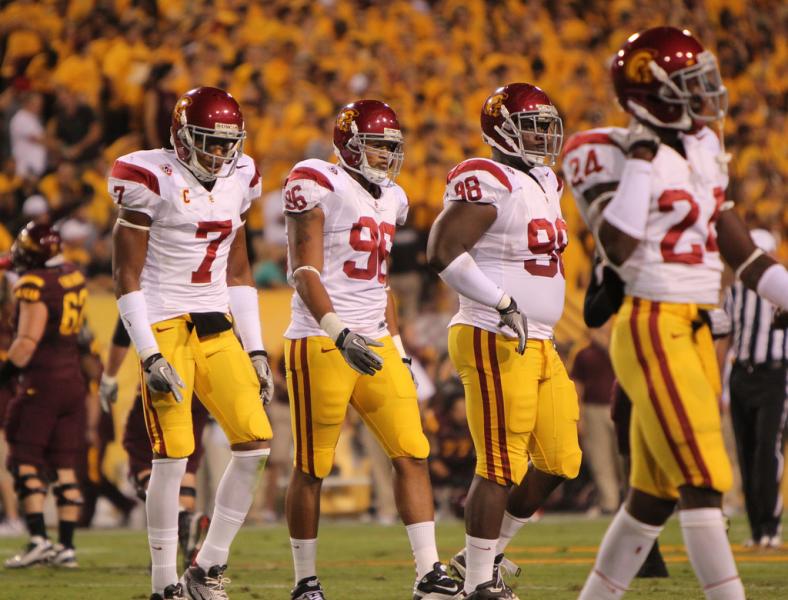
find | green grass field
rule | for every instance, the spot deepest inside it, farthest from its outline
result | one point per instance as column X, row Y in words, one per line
column 368, row 562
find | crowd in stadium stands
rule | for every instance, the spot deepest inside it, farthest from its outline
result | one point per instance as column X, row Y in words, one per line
column 85, row 81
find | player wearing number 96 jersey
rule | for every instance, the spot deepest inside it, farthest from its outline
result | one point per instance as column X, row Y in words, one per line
column 46, row 420
column 183, row 282
column 498, row 243
column 654, row 196
column 339, row 348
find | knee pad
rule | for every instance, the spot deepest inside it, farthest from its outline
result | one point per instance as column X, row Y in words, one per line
column 61, row 498
column 24, row 488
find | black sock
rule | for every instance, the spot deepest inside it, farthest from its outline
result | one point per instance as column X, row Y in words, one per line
column 66, row 533
column 36, row 525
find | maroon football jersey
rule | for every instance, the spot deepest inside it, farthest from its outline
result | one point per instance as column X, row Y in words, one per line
column 62, row 289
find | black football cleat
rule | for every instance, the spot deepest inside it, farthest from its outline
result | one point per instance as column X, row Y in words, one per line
column 490, row 590
column 308, row 588
column 201, row 585
column 436, row 585
column 171, row 592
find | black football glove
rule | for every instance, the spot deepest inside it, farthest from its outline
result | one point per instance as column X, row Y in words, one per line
column 512, row 318
column 161, row 377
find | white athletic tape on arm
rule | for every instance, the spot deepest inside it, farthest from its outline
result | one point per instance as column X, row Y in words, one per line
column 126, row 223
column 332, row 325
column 397, row 339
column 246, row 314
column 466, row 278
column 628, row 210
column 773, row 285
column 134, row 313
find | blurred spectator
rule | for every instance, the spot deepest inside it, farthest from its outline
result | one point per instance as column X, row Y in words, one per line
column 593, row 375
column 157, row 106
column 28, row 139
column 75, row 128
column 35, row 208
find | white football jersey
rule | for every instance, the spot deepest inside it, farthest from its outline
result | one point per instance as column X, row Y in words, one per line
column 678, row 261
column 191, row 231
column 521, row 251
column 357, row 238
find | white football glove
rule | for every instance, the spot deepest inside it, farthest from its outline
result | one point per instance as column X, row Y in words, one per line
column 637, row 134
column 512, row 318
column 108, row 392
column 264, row 375
column 355, row 350
column 161, row 377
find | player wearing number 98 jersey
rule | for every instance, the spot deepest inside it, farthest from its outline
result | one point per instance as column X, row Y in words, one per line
column 339, row 348
column 498, row 243
column 183, row 282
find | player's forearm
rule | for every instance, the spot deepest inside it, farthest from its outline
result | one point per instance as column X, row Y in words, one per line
column 465, row 277
column 115, row 358
column 391, row 314
column 313, row 293
column 21, row 351
column 245, row 308
column 617, row 244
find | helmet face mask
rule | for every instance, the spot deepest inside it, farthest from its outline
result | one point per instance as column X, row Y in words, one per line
column 664, row 77
column 699, row 88
column 208, row 133
column 369, row 141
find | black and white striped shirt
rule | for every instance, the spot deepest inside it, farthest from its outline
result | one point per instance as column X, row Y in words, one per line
column 754, row 339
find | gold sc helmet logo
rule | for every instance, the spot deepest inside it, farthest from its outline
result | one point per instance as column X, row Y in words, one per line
column 637, row 69
column 180, row 108
column 345, row 118
column 493, row 105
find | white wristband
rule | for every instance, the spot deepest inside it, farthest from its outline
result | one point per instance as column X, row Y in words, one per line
column 773, row 286
column 134, row 313
column 397, row 339
column 628, row 210
column 246, row 315
column 466, row 278
column 332, row 325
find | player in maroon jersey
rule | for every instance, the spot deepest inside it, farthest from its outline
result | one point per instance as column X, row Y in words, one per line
column 45, row 421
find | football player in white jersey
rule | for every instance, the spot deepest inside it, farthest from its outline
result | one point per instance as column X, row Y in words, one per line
column 498, row 243
column 654, row 195
column 183, row 282
column 342, row 345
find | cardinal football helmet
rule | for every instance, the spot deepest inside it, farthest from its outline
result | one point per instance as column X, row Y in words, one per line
column 519, row 119
column 665, row 77
column 206, row 119
column 34, row 245
column 369, row 128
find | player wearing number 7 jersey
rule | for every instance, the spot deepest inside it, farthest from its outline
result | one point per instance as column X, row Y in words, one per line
column 183, row 282
column 339, row 348
column 654, row 196
column 498, row 243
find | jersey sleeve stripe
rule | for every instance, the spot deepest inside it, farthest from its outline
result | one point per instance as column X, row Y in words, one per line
column 580, row 139
column 310, row 174
column 478, row 164
column 137, row 174
column 255, row 179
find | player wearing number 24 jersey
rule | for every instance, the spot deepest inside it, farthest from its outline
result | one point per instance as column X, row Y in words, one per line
column 183, row 283
column 654, row 195
column 498, row 243
column 339, row 348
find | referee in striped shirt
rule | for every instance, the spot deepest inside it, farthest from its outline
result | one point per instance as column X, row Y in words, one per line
column 758, row 403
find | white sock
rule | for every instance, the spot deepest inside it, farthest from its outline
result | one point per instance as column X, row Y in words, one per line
column 422, row 542
column 624, row 548
column 161, row 506
column 233, row 498
column 304, row 555
column 509, row 528
column 479, row 561
column 710, row 553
